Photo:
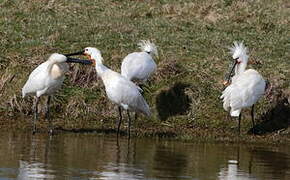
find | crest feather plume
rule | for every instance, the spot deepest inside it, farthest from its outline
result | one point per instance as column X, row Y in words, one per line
column 239, row 49
column 147, row 46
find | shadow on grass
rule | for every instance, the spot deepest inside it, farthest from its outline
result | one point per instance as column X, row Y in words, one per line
column 275, row 119
column 173, row 101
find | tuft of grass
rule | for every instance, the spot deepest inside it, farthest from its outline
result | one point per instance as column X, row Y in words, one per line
column 192, row 39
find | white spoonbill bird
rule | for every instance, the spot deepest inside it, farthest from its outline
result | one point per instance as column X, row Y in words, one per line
column 119, row 89
column 139, row 66
column 246, row 87
column 46, row 79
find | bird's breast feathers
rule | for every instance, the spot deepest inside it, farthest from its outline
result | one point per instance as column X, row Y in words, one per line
column 250, row 76
column 58, row 70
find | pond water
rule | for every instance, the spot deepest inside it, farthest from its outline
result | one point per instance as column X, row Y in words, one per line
column 94, row 156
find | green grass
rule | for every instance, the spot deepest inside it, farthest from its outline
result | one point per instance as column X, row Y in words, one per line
column 192, row 39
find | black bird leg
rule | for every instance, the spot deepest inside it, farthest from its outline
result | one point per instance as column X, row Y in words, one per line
column 120, row 120
column 35, row 115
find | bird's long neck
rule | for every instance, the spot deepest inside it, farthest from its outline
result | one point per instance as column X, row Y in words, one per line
column 97, row 57
column 101, row 69
column 240, row 68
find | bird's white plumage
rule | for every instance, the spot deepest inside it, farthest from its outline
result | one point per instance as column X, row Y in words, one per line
column 245, row 90
column 124, row 92
column 140, row 65
column 47, row 77
column 247, row 86
column 119, row 89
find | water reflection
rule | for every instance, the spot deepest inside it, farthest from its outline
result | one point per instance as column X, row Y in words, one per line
column 232, row 172
column 276, row 163
column 92, row 156
column 34, row 170
column 169, row 162
column 121, row 171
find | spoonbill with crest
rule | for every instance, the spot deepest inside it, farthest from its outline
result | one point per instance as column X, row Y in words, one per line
column 139, row 66
column 245, row 88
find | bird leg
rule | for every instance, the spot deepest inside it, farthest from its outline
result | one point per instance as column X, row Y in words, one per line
column 229, row 117
column 47, row 114
column 253, row 118
column 239, row 127
column 47, row 110
column 120, row 120
column 35, row 115
column 129, row 124
column 136, row 117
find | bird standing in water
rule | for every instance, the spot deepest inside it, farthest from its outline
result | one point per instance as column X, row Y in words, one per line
column 245, row 88
column 46, row 79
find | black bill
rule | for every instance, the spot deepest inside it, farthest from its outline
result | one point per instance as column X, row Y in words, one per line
column 81, row 61
column 229, row 75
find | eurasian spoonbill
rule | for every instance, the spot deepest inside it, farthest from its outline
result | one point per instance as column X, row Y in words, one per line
column 246, row 86
column 119, row 89
column 46, row 79
column 139, row 66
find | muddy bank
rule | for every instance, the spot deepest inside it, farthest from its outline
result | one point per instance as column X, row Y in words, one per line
column 196, row 134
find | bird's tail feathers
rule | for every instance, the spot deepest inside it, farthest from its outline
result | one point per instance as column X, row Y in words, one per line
column 235, row 113
column 147, row 112
column 24, row 91
column 139, row 89
column 226, row 99
column 149, row 47
column 144, row 107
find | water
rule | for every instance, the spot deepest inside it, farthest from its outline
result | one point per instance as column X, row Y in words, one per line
column 93, row 156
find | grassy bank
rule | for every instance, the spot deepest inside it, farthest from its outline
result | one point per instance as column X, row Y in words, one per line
column 192, row 39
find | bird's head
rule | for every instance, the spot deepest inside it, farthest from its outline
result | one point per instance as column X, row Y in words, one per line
column 60, row 58
column 93, row 54
column 149, row 47
column 239, row 52
column 240, row 57
column 57, row 58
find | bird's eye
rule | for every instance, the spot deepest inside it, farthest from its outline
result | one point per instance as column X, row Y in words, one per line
column 86, row 49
